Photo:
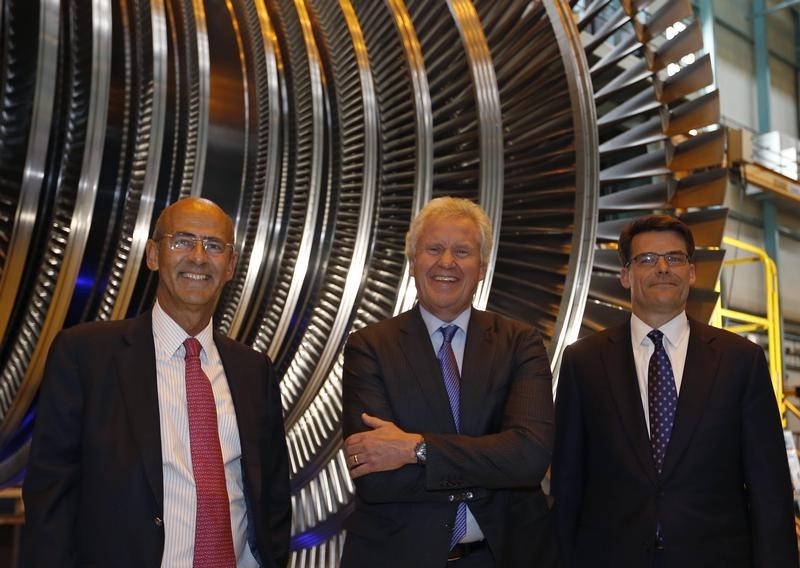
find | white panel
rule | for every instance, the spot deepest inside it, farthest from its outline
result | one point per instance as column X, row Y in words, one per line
column 780, row 31
column 783, row 98
column 736, row 79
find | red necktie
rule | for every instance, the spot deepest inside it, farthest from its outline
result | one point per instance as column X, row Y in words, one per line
column 213, row 543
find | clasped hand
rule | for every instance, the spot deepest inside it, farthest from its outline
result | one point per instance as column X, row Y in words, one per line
column 383, row 448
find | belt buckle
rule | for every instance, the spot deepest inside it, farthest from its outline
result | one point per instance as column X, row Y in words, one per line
column 456, row 553
column 463, row 550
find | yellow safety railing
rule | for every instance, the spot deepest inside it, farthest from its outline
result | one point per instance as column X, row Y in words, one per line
column 771, row 323
column 750, row 322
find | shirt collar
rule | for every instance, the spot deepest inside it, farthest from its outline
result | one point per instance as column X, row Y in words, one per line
column 432, row 323
column 170, row 335
column 674, row 330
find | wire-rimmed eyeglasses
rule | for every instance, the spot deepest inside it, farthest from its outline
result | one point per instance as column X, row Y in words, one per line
column 184, row 242
column 651, row 258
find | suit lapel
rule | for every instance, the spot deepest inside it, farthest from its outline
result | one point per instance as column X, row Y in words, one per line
column 243, row 383
column 699, row 374
column 416, row 346
column 621, row 374
column 136, row 368
column 479, row 353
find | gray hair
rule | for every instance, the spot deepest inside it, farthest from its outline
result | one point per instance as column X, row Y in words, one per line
column 450, row 207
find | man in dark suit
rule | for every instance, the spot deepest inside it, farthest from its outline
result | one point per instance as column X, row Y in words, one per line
column 669, row 450
column 159, row 442
column 448, row 429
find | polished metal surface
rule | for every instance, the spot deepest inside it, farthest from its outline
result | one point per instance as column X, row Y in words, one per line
column 74, row 196
column 20, row 203
column 323, row 127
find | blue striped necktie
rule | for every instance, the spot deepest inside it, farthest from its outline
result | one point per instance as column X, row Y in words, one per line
column 452, row 383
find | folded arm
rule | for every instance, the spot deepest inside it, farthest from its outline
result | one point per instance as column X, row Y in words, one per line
column 517, row 455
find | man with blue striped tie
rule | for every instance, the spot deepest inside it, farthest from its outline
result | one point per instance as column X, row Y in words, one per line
column 448, row 417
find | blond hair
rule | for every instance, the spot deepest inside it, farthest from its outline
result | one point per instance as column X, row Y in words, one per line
column 450, row 208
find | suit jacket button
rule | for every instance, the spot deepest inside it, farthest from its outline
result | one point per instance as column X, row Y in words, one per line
column 451, row 497
column 158, row 522
column 469, row 495
column 658, row 542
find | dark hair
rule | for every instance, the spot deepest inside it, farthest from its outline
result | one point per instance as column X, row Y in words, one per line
column 650, row 223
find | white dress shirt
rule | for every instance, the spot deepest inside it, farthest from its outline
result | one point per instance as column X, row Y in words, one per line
column 676, row 342
column 180, row 499
column 459, row 341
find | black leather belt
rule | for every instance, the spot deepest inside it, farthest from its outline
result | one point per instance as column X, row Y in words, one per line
column 463, row 549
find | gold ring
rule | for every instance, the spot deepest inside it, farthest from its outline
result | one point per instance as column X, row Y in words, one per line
column 355, row 459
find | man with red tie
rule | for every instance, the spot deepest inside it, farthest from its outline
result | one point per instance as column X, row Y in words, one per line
column 669, row 451
column 448, row 417
column 159, row 442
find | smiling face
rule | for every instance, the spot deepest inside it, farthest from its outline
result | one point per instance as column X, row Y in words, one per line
column 447, row 265
column 658, row 293
column 190, row 282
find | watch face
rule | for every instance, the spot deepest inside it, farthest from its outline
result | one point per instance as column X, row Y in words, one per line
column 420, row 450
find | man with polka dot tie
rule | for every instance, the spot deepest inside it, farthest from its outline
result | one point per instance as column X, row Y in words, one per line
column 669, row 451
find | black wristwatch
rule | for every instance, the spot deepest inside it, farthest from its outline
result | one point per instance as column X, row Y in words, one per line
column 421, row 451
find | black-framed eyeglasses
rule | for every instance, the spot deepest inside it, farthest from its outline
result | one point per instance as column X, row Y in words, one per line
column 184, row 242
column 651, row 259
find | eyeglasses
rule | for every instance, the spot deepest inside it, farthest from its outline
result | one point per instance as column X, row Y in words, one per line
column 184, row 242
column 651, row 258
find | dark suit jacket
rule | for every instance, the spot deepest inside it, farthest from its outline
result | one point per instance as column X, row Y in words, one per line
column 403, row 517
column 93, row 491
column 724, row 497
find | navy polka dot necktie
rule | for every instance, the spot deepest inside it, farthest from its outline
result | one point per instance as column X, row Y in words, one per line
column 662, row 399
